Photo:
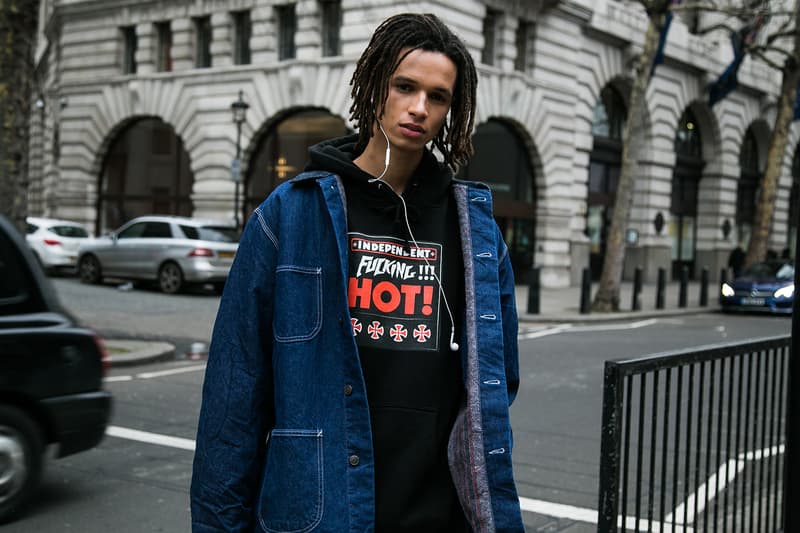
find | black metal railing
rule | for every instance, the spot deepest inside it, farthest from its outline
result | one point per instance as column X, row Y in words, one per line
column 694, row 440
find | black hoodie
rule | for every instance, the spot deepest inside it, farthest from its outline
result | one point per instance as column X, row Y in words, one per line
column 402, row 329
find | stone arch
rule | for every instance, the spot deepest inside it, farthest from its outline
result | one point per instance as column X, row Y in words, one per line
column 507, row 160
column 319, row 124
column 144, row 168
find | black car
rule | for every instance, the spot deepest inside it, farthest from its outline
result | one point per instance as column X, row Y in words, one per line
column 51, row 376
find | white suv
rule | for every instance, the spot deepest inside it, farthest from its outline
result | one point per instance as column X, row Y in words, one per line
column 55, row 242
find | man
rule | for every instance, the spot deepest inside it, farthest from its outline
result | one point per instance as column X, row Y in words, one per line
column 364, row 355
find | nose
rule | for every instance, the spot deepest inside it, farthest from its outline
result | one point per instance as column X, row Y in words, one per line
column 419, row 105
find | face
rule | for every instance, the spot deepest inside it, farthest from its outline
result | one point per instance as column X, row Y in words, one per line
column 418, row 100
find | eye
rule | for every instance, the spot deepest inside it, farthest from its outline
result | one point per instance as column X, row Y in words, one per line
column 404, row 87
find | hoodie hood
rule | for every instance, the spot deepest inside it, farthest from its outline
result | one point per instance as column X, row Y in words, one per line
column 429, row 185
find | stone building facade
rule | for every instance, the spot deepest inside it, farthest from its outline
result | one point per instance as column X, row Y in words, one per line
column 135, row 116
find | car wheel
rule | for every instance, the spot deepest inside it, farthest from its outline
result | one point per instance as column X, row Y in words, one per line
column 20, row 460
column 89, row 270
column 170, row 278
column 219, row 286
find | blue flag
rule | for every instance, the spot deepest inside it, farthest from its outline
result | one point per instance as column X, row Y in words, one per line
column 797, row 104
column 728, row 80
column 662, row 39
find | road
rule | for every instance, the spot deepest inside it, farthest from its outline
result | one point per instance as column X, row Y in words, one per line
column 137, row 479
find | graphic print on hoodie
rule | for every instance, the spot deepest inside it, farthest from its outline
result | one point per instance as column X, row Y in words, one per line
column 413, row 380
column 393, row 292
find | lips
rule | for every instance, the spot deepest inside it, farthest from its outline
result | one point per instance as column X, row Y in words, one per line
column 413, row 130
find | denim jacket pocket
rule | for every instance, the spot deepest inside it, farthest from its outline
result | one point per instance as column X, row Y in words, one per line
column 298, row 291
column 291, row 498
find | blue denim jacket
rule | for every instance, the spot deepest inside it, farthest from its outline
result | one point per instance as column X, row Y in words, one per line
column 284, row 442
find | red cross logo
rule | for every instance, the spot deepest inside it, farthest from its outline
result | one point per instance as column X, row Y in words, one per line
column 357, row 327
column 398, row 332
column 422, row 333
column 375, row 330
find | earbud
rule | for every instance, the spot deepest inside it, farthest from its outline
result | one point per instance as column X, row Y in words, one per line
column 453, row 343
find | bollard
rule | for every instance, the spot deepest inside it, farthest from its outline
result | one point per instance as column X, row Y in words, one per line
column 684, row 288
column 704, row 287
column 586, row 291
column 636, row 304
column 534, row 291
column 660, row 288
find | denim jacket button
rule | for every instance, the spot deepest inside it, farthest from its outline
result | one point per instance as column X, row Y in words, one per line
column 348, row 390
column 341, row 321
column 353, row 460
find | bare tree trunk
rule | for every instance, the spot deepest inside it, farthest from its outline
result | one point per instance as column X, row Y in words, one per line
column 765, row 208
column 607, row 297
column 18, row 25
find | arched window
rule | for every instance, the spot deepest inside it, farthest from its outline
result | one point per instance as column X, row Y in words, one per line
column 503, row 162
column 146, row 171
column 749, row 183
column 282, row 152
column 685, row 180
column 604, row 167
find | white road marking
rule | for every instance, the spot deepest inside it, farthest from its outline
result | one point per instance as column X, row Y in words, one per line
column 558, row 510
column 160, row 373
column 170, row 372
column 545, row 332
column 733, row 465
column 112, row 379
column 150, row 438
column 584, row 329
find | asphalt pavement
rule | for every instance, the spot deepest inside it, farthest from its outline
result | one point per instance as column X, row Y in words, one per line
column 555, row 306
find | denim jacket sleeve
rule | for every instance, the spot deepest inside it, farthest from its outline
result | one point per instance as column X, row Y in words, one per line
column 508, row 306
column 237, row 407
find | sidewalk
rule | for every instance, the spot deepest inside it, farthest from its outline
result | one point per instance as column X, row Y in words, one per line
column 556, row 306
column 563, row 305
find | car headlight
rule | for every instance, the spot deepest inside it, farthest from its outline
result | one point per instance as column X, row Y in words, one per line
column 727, row 290
column 785, row 292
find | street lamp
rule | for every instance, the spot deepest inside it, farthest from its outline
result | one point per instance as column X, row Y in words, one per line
column 239, row 109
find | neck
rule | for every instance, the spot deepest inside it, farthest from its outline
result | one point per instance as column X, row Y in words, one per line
column 401, row 164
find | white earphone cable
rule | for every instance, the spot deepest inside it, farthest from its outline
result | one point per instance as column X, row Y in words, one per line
column 453, row 343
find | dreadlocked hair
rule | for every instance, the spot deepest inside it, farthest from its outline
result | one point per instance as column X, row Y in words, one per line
column 370, row 81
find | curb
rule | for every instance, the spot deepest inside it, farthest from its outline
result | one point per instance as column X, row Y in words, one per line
column 577, row 318
column 124, row 352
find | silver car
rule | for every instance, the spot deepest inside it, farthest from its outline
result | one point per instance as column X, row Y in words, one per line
column 173, row 251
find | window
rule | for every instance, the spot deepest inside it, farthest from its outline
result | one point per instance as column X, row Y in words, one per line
column 128, row 34
column 163, row 46
column 691, row 17
column 331, row 24
column 609, row 115
column 242, row 29
column 523, row 37
column 70, row 231
column 202, row 42
column 490, row 33
column 14, row 283
column 287, row 27
column 157, row 230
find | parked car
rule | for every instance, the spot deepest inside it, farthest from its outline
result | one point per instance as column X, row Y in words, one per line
column 767, row 286
column 55, row 242
column 173, row 251
column 51, row 376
